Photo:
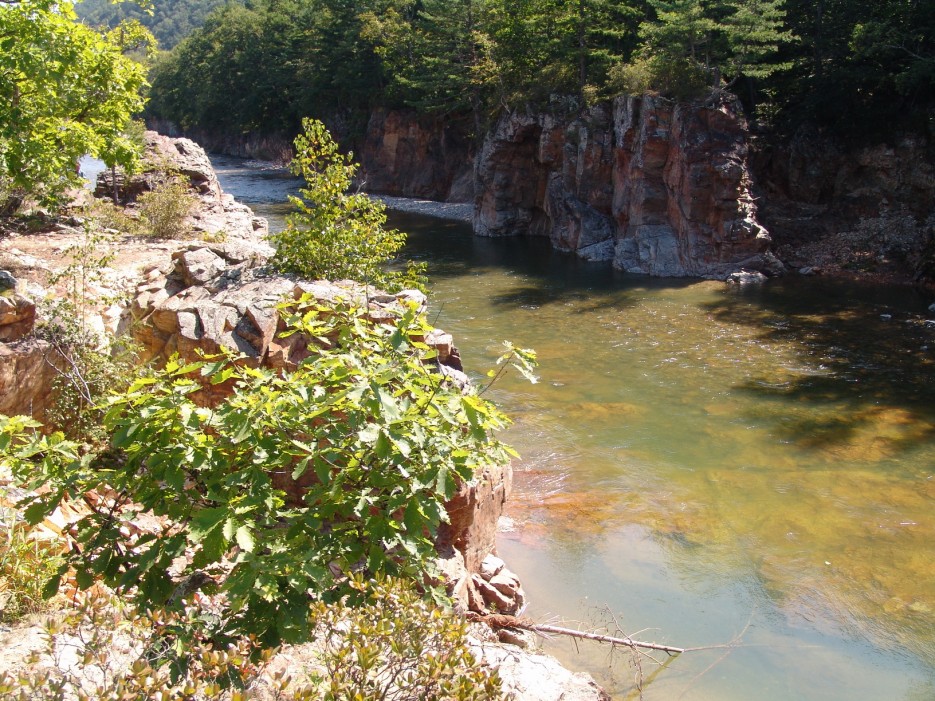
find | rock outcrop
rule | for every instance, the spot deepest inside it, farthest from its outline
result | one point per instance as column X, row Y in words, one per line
column 216, row 214
column 27, row 364
column 831, row 206
column 214, row 296
column 409, row 155
column 657, row 187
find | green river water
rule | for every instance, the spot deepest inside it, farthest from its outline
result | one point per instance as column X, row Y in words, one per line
column 705, row 465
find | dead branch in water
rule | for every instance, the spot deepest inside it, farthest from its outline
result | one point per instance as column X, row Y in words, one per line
column 501, row 621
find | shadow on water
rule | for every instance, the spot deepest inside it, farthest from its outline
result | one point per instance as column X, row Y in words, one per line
column 866, row 354
column 547, row 276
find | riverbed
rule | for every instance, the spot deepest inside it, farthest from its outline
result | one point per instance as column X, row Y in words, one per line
column 750, row 470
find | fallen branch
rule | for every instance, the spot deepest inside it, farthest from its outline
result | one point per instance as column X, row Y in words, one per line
column 501, row 621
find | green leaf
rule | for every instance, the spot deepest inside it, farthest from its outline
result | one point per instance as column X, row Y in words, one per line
column 205, row 521
column 84, row 579
column 51, row 587
column 245, row 539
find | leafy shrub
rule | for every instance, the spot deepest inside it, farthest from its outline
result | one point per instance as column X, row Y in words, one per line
column 25, row 567
column 106, row 651
column 393, row 646
column 87, row 362
column 165, row 208
column 397, row 647
column 335, row 235
column 107, row 215
column 679, row 78
column 377, row 440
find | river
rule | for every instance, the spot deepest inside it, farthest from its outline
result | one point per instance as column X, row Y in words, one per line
column 751, row 469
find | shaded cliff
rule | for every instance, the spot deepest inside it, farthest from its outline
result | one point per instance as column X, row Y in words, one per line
column 657, row 187
column 410, row 155
column 666, row 189
column 867, row 209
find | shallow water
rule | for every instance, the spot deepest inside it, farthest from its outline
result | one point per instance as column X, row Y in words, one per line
column 705, row 465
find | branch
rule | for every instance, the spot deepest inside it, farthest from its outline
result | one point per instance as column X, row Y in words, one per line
column 501, row 621
column 926, row 59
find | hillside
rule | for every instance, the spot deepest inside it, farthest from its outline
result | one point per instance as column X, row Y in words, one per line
column 171, row 21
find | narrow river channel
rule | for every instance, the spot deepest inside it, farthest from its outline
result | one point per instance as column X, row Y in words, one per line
column 705, row 465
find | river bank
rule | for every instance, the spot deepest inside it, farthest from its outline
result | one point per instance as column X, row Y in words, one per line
column 151, row 268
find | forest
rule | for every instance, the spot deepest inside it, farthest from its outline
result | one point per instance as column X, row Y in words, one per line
column 170, row 21
column 861, row 69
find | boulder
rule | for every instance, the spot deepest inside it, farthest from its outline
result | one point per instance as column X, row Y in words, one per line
column 17, row 317
column 27, row 375
column 529, row 676
column 7, row 281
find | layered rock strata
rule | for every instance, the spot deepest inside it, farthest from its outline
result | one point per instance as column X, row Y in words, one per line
column 27, row 365
column 657, row 187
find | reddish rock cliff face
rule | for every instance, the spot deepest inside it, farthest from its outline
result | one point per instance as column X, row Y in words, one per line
column 409, row 155
column 658, row 188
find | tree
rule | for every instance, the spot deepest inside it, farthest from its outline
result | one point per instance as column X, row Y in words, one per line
column 335, row 234
column 65, row 91
column 371, row 440
column 170, row 21
column 682, row 29
column 755, row 31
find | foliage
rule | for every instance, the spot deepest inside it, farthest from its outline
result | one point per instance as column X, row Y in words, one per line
column 376, row 440
column 166, row 207
column 25, row 567
column 333, row 234
column 853, row 66
column 394, row 646
column 119, row 655
column 679, row 78
column 65, row 91
column 397, row 647
column 105, row 214
column 88, row 364
column 170, row 21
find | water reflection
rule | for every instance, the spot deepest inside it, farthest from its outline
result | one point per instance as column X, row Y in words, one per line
column 703, row 460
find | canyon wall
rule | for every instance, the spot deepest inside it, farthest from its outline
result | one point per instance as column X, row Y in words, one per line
column 835, row 206
column 658, row 188
column 409, row 155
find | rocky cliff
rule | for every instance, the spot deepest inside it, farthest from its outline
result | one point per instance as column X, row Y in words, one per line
column 862, row 209
column 405, row 154
column 657, row 187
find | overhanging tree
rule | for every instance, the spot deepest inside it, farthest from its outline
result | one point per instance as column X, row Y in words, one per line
column 65, row 91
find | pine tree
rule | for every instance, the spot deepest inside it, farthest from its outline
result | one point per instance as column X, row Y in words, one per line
column 755, row 31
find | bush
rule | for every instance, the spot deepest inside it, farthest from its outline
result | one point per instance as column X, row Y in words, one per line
column 332, row 234
column 165, row 208
column 681, row 79
column 377, row 440
column 88, row 363
column 397, row 647
column 25, row 567
column 393, row 646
